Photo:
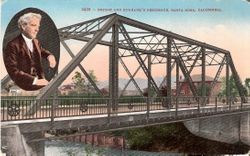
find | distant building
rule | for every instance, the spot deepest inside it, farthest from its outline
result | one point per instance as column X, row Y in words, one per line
column 66, row 89
column 15, row 91
column 197, row 81
column 105, row 91
column 131, row 93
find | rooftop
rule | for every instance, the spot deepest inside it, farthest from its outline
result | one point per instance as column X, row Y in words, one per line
column 197, row 78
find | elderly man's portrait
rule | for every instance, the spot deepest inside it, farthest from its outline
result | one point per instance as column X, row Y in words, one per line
column 24, row 54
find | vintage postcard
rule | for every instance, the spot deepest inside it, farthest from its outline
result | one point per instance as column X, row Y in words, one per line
column 134, row 77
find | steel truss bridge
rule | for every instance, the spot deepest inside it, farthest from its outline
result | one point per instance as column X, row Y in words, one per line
column 130, row 38
column 148, row 45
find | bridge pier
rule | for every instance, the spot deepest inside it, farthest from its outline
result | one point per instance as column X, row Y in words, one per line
column 229, row 129
column 16, row 143
column 245, row 128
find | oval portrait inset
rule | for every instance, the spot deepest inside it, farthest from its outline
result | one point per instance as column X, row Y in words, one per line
column 31, row 49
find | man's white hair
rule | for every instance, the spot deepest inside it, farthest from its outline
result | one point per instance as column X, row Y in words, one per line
column 25, row 19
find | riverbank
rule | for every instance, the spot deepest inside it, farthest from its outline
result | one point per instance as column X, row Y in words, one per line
column 163, row 138
column 100, row 140
column 176, row 138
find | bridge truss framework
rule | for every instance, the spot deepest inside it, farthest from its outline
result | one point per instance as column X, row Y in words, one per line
column 149, row 45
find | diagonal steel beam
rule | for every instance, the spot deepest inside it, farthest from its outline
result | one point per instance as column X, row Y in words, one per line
column 54, row 84
column 86, row 39
column 70, row 36
column 139, row 59
column 190, row 70
column 153, row 29
column 5, row 80
column 139, row 67
column 236, row 77
column 187, row 77
column 165, row 78
column 82, row 69
column 160, row 42
column 136, row 71
column 148, row 43
column 131, row 77
column 186, row 73
column 214, row 60
column 217, row 74
column 138, row 37
column 88, row 30
column 61, row 30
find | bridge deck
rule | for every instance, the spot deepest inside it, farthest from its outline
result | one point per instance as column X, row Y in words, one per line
column 18, row 109
column 98, row 116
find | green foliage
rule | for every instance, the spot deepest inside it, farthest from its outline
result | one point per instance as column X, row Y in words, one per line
column 81, row 84
column 89, row 150
column 247, row 85
column 144, row 138
column 78, row 79
column 92, row 75
column 70, row 153
column 140, row 138
column 207, row 90
column 119, row 133
column 149, row 91
column 100, row 151
column 232, row 86
column 176, row 137
column 88, row 85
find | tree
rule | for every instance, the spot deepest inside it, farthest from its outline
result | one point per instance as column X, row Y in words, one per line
column 89, row 86
column 207, row 90
column 145, row 138
column 247, row 85
column 79, row 82
column 233, row 89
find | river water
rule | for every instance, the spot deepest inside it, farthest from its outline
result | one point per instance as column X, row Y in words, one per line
column 63, row 148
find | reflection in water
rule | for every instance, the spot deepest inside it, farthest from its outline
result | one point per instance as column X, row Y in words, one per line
column 62, row 148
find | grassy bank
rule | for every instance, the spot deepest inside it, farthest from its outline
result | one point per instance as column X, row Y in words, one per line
column 176, row 138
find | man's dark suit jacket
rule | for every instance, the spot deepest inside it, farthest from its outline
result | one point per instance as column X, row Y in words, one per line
column 17, row 59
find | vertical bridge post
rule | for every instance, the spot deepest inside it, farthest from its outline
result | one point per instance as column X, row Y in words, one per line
column 113, row 68
column 203, row 76
column 169, row 41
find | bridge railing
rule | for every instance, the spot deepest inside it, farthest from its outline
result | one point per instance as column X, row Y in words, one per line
column 19, row 108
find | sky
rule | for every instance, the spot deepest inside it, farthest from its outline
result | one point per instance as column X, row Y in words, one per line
column 227, row 27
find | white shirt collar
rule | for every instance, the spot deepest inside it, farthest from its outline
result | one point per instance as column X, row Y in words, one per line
column 28, row 42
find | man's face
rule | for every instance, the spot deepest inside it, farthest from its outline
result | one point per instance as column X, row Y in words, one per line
column 31, row 29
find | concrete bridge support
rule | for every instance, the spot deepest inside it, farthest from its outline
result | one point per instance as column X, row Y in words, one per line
column 17, row 144
column 229, row 129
